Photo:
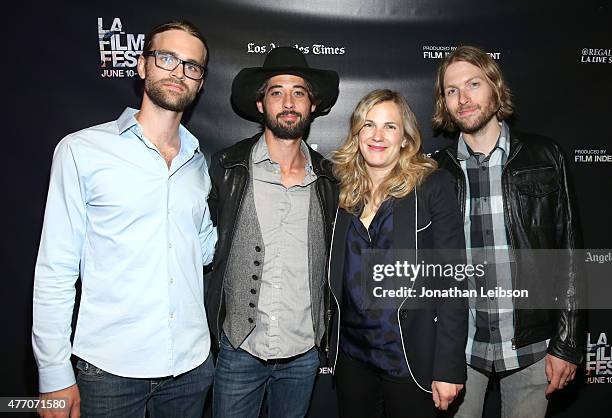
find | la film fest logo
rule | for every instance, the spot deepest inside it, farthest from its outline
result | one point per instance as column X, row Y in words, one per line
column 592, row 156
column 596, row 56
column 119, row 51
column 314, row 49
column 598, row 359
column 432, row 52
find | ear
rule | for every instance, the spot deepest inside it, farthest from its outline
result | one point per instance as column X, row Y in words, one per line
column 260, row 107
column 141, row 67
column 404, row 142
column 313, row 107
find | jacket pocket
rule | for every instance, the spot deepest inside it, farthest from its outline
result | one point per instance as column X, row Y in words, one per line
column 538, row 193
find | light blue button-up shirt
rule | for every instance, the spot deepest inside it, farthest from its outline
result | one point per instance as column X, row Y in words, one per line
column 138, row 233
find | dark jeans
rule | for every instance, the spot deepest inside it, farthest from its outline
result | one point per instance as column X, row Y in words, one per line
column 242, row 379
column 365, row 393
column 107, row 395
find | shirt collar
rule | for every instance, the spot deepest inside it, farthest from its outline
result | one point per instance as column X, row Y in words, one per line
column 127, row 122
column 261, row 153
column 464, row 152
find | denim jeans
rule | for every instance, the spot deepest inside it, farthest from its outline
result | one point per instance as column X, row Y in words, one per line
column 107, row 395
column 242, row 379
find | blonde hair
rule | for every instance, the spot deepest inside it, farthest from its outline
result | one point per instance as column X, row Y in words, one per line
column 493, row 75
column 350, row 168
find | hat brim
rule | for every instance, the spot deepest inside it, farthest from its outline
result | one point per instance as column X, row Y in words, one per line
column 249, row 80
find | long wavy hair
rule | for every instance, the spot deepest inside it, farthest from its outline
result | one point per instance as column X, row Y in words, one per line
column 350, row 167
column 493, row 75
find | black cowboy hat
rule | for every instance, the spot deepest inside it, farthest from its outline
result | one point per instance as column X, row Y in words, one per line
column 283, row 60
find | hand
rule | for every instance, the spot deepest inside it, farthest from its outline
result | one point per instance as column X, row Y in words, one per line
column 559, row 373
column 444, row 393
column 73, row 403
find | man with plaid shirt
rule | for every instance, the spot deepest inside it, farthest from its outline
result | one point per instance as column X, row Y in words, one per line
column 532, row 352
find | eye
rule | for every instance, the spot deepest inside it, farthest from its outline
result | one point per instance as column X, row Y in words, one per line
column 189, row 66
column 275, row 93
column 450, row 92
column 475, row 84
column 391, row 127
column 367, row 125
column 167, row 58
column 299, row 93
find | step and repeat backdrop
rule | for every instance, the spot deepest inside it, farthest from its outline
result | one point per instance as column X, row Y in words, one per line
column 71, row 65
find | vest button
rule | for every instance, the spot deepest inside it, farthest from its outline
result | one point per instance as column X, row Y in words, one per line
column 253, row 291
column 258, row 248
column 251, row 320
column 256, row 262
column 254, row 277
column 251, row 305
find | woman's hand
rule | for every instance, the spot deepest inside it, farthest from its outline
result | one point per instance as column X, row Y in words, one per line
column 444, row 393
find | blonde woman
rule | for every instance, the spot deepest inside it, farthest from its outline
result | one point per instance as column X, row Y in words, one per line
column 391, row 362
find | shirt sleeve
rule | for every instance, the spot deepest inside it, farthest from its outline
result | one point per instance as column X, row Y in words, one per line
column 208, row 232
column 56, row 271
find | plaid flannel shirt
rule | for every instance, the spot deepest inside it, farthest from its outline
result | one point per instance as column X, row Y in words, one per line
column 491, row 321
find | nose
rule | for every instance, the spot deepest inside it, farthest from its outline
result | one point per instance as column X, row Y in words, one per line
column 179, row 71
column 464, row 98
column 288, row 102
column 379, row 134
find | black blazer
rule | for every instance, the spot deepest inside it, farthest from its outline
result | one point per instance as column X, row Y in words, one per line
column 433, row 338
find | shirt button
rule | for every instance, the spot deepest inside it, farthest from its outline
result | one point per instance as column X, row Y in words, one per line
column 273, row 318
column 253, row 291
column 276, row 286
column 251, row 305
column 171, row 280
column 483, row 168
column 169, row 245
column 254, row 277
column 493, row 328
column 250, row 320
column 256, row 262
column 488, row 232
column 172, row 316
column 258, row 248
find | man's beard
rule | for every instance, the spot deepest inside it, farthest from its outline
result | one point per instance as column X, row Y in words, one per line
column 282, row 130
column 486, row 114
column 173, row 101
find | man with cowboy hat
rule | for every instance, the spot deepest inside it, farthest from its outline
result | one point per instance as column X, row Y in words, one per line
column 273, row 200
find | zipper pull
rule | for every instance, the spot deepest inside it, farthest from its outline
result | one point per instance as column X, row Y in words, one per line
column 513, row 344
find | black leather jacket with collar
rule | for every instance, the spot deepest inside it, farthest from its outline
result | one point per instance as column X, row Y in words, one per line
column 539, row 212
column 229, row 173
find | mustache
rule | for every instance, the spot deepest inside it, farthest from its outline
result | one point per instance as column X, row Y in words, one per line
column 462, row 108
column 173, row 81
column 289, row 113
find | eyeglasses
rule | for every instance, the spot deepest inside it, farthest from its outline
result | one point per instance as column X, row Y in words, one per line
column 169, row 62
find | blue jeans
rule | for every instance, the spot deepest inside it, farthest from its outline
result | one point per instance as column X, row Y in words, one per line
column 107, row 395
column 242, row 379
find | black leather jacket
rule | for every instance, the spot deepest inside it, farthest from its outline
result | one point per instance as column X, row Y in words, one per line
column 539, row 215
column 229, row 172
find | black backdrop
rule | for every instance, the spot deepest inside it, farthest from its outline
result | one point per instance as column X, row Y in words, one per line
column 556, row 57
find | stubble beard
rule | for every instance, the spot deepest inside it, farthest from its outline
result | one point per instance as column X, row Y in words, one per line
column 173, row 101
column 486, row 114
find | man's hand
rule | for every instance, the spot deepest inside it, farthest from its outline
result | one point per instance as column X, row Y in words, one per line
column 444, row 393
column 559, row 373
column 73, row 403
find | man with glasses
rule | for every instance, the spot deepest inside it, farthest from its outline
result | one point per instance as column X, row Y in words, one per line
column 127, row 211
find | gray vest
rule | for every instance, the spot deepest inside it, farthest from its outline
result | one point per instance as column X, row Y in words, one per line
column 245, row 265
